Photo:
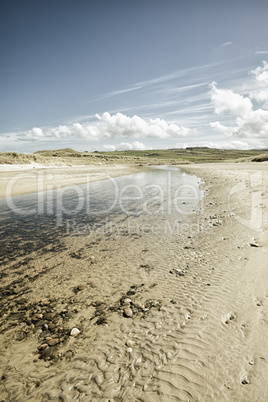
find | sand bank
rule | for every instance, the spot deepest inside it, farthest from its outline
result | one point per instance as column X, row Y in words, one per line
column 30, row 178
column 162, row 316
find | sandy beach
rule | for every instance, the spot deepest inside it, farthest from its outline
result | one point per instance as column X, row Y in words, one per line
column 142, row 316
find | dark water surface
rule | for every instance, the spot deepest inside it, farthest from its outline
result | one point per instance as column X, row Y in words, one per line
column 32, row 222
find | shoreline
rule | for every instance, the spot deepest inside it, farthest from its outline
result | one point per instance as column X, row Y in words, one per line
column 26, row 179
column 202, row 334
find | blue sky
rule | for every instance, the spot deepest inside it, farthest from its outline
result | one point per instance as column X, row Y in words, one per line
column 105, row 75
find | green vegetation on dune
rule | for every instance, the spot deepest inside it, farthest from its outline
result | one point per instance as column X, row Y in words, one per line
column 16, row 158
column 191, row 154
column 162, row 156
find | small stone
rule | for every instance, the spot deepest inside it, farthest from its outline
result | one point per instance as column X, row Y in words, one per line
column 43, row 346
column 68, row 354
column 49, row 353
column 45, row 302
column 127, row 301
column 253, row 244
column 21, row 301
column 131, row 292
column 139, row 304
column 20, row 336
column 75, row 332
column 37, row 317
column 49, row 316
column 81, row 287
column 130, row 343
column 129, row 350
column 53, row 342
column 128, row 312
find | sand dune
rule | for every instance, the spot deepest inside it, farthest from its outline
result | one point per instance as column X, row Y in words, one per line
column 199, row 303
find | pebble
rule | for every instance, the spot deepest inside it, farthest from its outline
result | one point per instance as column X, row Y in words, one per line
column 253, row 244
column 38, row 317
column 127, row 300
column 128, row 312
column 139, row 305
column 131, row 292
column 43, row 346
column 49, row 316
column 45, row 302
column 75, row 332
column 53, row 342
column 130, row 343
column 20, row 335
column 49, row 353
column 68, row 354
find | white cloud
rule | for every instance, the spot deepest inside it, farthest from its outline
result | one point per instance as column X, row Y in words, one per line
column 109, row 147
column 227, row 131
column 225, row 100
column 248, row 124
column 253, row 125
column 260, row 94
column 111, row 126
column 261, row 72
column 37, row 132
column 226, row 44
column 135, row 146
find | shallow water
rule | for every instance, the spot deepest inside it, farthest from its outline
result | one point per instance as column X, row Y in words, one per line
column 140, row 202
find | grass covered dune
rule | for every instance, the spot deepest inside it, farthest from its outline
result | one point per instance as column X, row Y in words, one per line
column 189, row 155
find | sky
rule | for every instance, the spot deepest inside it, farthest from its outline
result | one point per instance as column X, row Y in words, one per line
column 133, row 74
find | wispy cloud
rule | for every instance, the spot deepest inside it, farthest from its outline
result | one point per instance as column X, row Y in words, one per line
column 120, row 92
column 227, row 44
column 261, row 52
column 155, row 83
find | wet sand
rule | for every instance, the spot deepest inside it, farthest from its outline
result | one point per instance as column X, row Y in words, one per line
column 162, row 316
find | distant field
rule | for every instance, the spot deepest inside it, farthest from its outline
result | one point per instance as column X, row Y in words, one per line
column 170, row 156
column 195, row 154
